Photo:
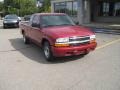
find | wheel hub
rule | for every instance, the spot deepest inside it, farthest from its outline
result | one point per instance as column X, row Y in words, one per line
column 46, row 51
column 24, row 38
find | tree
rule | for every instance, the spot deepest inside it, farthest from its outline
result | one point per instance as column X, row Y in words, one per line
column 1, row 6
column 1, row 9
column 25, row 7
column 47, row 5
column 20, row 7
column 7, row 5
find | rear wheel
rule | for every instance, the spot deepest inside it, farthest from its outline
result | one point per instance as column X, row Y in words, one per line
column 25, row 39
column 47, row 51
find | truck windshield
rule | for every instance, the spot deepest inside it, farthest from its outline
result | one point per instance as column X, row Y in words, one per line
column 56, row 20
column 11, row 17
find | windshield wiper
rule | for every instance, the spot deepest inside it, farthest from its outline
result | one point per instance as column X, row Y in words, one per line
column 58, row 25
column 48, row 25
column 67, row 24
column 51, row 25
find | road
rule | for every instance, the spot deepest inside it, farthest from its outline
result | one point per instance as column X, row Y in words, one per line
column 23, row 67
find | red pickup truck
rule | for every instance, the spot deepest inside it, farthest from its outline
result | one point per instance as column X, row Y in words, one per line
column 58, row 35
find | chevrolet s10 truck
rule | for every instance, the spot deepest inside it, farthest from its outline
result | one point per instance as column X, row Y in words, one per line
column 58, row 35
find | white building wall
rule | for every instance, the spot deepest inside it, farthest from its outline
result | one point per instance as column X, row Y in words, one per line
column 84, row 11
column 80, row 11
column 87, row 11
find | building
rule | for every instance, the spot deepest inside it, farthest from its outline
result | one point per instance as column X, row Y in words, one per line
column 86, row 11
column 39, row 3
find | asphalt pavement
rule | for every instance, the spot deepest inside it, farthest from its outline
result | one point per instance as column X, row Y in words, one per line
column 23, row 67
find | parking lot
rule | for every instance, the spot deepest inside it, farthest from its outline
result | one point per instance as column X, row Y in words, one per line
column 23, row 67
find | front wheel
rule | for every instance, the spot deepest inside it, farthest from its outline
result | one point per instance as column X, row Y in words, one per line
column 47, row 51
column 86, row 53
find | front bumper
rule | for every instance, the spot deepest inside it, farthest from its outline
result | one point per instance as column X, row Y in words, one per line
column 11, row 24
column 73, row 50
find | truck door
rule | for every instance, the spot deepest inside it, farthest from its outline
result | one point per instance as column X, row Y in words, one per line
column 36, row 32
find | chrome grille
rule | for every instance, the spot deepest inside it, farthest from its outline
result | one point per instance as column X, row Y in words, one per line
column 77, row 41
column 79, row 38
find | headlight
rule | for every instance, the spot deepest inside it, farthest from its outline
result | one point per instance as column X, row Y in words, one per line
column 62, row 42
column 5, row 22
column 92, row 39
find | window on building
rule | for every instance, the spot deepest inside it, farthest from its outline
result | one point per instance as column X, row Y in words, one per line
column 117, row 9
column 106, row 9
column 109, row 8
column 75, row 8
column 68, row 7
column 60, row 7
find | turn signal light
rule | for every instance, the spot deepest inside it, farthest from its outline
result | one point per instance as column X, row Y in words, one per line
column 61, row 45
column 93, row 41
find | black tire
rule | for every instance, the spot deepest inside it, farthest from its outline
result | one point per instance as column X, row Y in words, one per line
column 47, row 51
column 17, row 26
column 4, row 26
column 86, row 53
column 25, row 39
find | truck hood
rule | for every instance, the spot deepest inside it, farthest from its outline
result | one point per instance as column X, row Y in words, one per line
column 67, row 31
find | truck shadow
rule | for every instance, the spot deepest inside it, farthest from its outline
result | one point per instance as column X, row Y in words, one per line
column 35, row 53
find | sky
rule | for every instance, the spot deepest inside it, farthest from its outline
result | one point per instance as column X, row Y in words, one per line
column 1, row 0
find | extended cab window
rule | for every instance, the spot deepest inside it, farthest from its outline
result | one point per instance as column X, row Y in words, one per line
column 36, row 21
column 55, row 20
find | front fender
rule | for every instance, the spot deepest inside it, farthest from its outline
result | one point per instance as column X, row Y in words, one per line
column 49, row 39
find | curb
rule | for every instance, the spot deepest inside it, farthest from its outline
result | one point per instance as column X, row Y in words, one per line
column 106, row 31
column 103, row 26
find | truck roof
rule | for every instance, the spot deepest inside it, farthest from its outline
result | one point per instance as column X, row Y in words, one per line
column 49, row 14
